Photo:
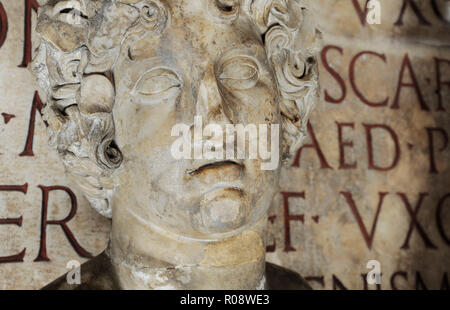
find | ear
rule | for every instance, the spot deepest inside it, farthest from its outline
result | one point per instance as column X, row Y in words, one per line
column 292, row 43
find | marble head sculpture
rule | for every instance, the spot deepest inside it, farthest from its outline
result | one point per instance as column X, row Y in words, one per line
column 118, row 75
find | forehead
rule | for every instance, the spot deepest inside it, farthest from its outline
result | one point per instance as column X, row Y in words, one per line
column 199, row 27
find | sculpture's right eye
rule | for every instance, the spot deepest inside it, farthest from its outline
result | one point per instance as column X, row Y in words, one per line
column 72, row 12
column 158, row 85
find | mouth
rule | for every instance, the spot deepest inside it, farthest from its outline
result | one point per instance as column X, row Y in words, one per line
column 220, row 165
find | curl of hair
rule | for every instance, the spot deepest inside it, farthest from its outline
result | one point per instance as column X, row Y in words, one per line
column 83, row 135
column 292, row 42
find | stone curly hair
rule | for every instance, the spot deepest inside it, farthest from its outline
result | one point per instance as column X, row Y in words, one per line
column 80, row 41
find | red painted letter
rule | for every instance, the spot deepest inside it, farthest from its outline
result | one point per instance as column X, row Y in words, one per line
column 18, row 258
column 414, row 222
column 402, row 274
column 37, row 105
column 334, row 74
column 414, row 84
column 29, row 6
column 63, row 223
column 353, row 80
column 367, row 237
column 288, row 217
column 440, row 225
column 361, row 14
column 439, row 82
column 342, row 145
column 3, row 25
column 271, row 248
column 416, row 10
column 430, row 132
column 315, row 145
column 370, row 148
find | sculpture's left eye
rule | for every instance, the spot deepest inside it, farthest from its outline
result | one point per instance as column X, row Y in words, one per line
column 157, row 85
column 239, row 73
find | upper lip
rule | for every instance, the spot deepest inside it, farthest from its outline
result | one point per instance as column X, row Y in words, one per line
column 213, row 165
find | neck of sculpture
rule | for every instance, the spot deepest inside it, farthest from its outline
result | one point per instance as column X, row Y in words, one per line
column 146, row 258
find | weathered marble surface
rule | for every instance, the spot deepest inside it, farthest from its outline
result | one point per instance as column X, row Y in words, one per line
column 17, row 88
column 98, row 274
column 120, row 76
column 330, row 246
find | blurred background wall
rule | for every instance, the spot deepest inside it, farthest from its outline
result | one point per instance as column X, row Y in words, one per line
column 371, row 182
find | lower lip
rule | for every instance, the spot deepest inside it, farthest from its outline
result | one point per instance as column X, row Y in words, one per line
column 223, row 186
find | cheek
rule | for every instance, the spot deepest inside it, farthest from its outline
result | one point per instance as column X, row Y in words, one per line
column 258, row 105
column 142, row 129
column 270, row 99
column 267, row 101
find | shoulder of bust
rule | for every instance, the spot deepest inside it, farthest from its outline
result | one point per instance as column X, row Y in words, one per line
column 97, row 274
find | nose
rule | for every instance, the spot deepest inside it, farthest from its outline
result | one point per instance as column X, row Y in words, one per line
column 210, row 104
column 212, row 108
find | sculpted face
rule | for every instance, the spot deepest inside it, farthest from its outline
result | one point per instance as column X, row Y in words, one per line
column 199, row 62
column 139, row 68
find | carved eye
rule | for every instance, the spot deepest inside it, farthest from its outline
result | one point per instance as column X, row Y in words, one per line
column 224, row 10
column 225, row 6
column 72, row 12
column 239, row 73
column 158, row 85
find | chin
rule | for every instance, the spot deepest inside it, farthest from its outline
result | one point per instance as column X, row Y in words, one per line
column 221, row 210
